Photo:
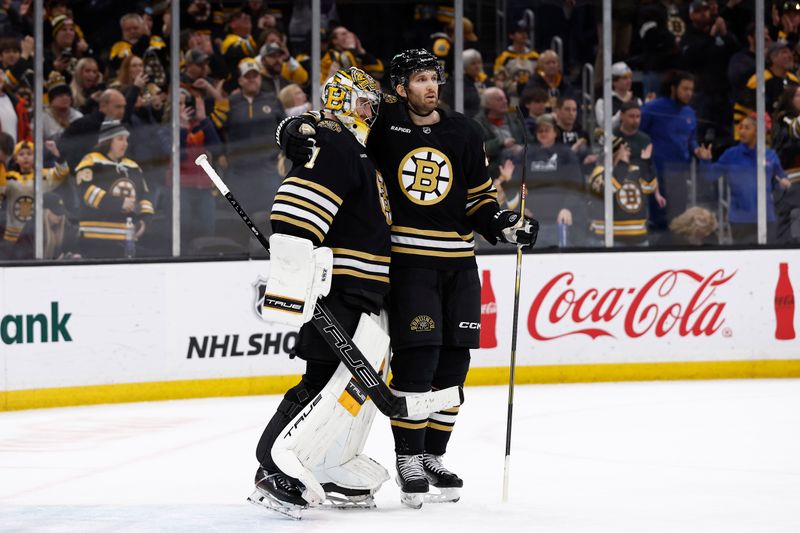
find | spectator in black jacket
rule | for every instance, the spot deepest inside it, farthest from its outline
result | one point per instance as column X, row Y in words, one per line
column 79, row 138
column 550, row 77
column 706, row 48
column 786, row 143
column 743, row 63
column 660, row 51
column 474, row 85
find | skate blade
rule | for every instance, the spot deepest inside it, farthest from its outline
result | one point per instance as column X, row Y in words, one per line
column 443, row 495
column 339, row 501
column 413, row 500
column 268, row 501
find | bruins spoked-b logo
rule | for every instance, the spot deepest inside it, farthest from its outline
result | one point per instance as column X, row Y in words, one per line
column 425, row 175
column 23, row 208
column 629, row 197
column 422, row 323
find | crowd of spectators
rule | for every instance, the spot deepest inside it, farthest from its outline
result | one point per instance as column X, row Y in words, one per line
column 683, row 107
column 683, row 103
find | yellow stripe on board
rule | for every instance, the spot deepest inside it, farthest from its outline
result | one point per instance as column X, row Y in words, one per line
column 636, row 372
column 144, row 392
column 204, row 388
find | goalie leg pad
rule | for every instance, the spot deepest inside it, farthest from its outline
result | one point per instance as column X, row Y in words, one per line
column 303, row 445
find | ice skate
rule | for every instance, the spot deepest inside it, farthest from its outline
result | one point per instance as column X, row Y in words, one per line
column 447, row 484
column 337, row 497
column 412, row 480
column 278, row 492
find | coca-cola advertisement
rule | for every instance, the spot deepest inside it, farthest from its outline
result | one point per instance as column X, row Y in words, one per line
column 655, row 307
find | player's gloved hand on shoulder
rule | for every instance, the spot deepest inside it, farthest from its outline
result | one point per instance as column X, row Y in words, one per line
column 511, row 228
column 295, row 136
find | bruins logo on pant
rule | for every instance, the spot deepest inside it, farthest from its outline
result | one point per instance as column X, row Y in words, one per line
column 425, row 176
column 422, row 323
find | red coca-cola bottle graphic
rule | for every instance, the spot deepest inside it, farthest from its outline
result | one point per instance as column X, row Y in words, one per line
column 488, row 313
column 784, row 305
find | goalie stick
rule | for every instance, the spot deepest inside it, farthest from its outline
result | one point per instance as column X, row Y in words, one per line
column 342, row 344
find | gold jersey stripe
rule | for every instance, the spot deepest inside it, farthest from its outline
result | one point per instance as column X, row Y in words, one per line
column 485, row 185
column 440, row 427
column 316, row 186
column 479, row 205
column 409, row 425
column 357, row 274
column 432, row 233
column 415, row 251
column 307, row 205
column 114, row 225
column 361, row 255
column 451, row 411
column 300, row 224
column 104, row 236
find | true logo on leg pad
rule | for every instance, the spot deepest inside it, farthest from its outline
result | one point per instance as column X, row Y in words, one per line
column 280, row 303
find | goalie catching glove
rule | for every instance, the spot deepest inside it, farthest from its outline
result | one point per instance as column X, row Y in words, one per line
column 295, row 135
column 298, row 275
column 511, row 228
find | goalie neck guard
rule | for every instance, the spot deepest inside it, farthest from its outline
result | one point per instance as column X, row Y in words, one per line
column 410, row 61
column 353, row 96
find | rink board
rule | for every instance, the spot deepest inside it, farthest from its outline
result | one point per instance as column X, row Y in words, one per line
column 72, row 335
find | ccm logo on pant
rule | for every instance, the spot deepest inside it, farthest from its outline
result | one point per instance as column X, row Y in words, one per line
column 469, row 325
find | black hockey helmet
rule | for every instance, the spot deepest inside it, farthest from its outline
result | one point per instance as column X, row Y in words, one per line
column 410, row 61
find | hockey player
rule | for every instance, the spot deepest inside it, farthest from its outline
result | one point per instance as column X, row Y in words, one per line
column 330, row 216
column 441, row 193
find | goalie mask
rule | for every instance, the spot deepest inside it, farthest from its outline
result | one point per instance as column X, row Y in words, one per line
column 410, row 61
column 354, row 97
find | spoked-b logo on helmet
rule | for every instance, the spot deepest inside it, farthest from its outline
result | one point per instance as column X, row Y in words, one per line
column 425, row 176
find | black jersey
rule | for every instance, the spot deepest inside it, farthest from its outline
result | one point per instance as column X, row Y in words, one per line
column 438, row 184
column 338, row 200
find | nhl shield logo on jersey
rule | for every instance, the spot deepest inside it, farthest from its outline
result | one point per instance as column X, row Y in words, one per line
column 422, row 324
column 425, row 176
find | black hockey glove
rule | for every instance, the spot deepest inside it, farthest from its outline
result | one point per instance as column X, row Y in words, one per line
column 509, row 228
column 295, row 136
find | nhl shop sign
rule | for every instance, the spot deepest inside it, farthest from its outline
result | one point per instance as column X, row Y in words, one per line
column 30, row 328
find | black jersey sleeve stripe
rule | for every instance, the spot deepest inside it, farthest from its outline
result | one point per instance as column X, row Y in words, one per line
column 307, row 227
column 302, row 204
column 474, row 209
column 329, row 194
column 485, row 186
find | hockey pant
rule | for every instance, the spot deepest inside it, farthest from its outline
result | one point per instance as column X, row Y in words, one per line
column 419, row 370
column 317, row 437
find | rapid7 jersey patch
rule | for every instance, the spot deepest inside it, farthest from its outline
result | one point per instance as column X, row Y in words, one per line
column 425, row 175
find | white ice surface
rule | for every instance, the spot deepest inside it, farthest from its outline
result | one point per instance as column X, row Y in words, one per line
column 719, row 456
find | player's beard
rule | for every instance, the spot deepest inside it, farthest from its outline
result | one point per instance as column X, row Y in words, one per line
column 420, row 105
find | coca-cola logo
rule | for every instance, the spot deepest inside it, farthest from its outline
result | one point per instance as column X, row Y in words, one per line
column 678, row 301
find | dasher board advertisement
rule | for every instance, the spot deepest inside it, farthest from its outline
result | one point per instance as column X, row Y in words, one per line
column 611, row 308
column 71, row 326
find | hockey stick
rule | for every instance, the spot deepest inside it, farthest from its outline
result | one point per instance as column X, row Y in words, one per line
column 342, row 344
column 523, row 192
